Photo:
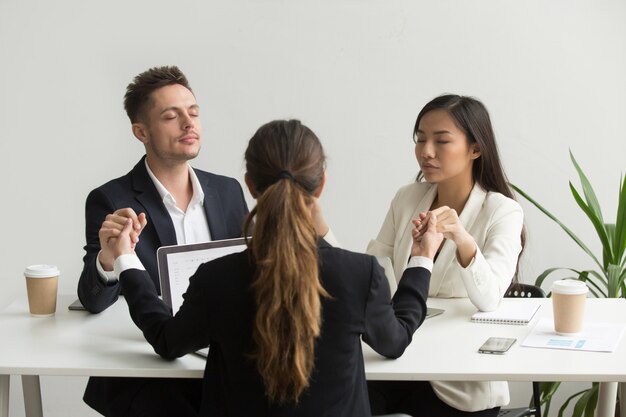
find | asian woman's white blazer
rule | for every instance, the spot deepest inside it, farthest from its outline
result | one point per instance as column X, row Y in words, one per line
column 495, row 222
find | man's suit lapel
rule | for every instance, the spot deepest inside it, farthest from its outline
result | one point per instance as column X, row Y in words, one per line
column 148, row 196
column 213, row 209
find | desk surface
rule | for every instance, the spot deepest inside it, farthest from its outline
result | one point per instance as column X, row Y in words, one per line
column 75, row 343
column 444, row 348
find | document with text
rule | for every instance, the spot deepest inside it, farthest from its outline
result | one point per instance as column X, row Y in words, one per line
column 595, row 337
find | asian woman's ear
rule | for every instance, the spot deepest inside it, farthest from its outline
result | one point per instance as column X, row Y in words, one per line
column 475, row 151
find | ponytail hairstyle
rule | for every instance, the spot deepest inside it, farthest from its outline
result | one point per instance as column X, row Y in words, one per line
column 285, row 165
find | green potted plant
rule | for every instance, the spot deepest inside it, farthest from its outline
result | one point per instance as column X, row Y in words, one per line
column 607, row 280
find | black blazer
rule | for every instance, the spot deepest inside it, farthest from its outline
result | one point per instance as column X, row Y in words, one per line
column 224, row 205
column 218, row 310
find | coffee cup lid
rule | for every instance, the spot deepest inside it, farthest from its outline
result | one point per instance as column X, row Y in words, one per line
column 569, row 286
column 41, row 271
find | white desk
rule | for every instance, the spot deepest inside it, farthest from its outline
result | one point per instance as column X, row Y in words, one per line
column 445, row 348
column 75, row 343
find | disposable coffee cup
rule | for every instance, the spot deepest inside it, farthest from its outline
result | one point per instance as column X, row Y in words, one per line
column 41, row 286
column 568, row 304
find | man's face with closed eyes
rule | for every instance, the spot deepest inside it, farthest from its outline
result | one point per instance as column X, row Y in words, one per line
column 170, row 128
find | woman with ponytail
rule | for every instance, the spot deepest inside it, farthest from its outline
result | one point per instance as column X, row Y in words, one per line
column 284, row 319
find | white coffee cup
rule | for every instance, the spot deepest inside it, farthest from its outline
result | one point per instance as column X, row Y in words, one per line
column 41, row 286
column 568, row 306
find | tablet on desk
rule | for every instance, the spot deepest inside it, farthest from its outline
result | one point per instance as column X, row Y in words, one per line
column 179, row 262
column 76, row 305
column 432, row 312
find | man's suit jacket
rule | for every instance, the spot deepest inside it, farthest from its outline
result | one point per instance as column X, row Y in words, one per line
column 224, row 205
column 495, row 222
column 225, row 209
column 219, row 311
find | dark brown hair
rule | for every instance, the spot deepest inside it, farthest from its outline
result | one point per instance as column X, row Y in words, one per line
column 285, row 163
column 138, row 92
column 472, row 117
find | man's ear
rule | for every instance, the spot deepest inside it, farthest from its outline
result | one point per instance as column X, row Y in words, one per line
column 141, row 132
column 320, row 188
column 250, row 186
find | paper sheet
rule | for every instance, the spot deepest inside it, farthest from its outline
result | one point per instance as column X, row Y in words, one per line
column 595, row 337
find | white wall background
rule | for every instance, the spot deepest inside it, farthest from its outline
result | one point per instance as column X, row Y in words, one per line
column 552, row 74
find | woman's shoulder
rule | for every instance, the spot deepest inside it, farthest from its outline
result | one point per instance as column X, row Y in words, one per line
column 497, row 202
column 333, row 252
column 334, row 259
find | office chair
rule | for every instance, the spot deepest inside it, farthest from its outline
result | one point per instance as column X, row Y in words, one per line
column 517, row 290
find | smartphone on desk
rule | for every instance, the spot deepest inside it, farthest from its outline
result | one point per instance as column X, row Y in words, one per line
column 497, row 345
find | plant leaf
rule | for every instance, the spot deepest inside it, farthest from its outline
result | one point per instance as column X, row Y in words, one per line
column 546, row 392
column 601, row 278
column 593, row 401
column 570, row 398
column 580, row 275
column 598, row 225
column 539, row 280
column 609, row 228
column 583, row 402
column 614, row 274
column 590, row 195
column 620, row 225
column 557, row 221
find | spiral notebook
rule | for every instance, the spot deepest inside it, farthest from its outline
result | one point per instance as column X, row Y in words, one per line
column 510, row 311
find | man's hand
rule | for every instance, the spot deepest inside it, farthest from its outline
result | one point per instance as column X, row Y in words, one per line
column 112, row 227
column 122, row 244
column 426, row 241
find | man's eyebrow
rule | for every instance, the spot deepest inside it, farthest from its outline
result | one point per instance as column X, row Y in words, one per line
column 168, row 109
column 193, row 106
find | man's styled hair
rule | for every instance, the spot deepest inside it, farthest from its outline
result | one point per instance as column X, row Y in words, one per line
column 137, row 97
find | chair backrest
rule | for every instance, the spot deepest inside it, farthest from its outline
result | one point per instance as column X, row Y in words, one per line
column 519, row 290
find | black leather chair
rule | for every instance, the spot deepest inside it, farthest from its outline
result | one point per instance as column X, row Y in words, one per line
column 517, row 290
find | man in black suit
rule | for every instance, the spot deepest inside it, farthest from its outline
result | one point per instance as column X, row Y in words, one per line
column 169, row 203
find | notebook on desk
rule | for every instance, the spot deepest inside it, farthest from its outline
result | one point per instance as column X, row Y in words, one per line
column 510, row 311
column 179, row 262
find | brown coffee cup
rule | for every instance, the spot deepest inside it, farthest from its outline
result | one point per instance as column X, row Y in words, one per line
column 568, row 304
column 41, row 286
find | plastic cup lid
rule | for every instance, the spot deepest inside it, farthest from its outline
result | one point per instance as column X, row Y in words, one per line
column 41, row 271
column 569, row 286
